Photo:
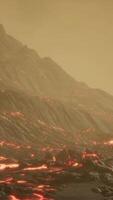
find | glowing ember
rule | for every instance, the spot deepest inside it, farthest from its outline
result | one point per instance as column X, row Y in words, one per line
column 16, row 114
column 89, row 155
column 2, row 158
column 110, row 142
column 12, row 145
column 21, row 181
column 12, row 197
column 76, row 164
column 7, row 180
column 42, row 188
column 40, row 197
column 10, row 166
column 32, row 155
column 36, row 168
column 71, row 162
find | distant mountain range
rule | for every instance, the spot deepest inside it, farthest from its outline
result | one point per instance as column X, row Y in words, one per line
column 41, row 103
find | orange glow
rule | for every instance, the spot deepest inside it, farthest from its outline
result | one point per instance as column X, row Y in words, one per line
column 36, row 168
column 12, row 145
column 7, row 181
column 2, row 143
column 2, row 158
column 40, row 197
column 12, row 197
column 32, row 155
column 40, row 186
column 89, row 155
column 76, row 164
column 15, row 114
column 21, row 181
column 10, row 166
column 110, row 142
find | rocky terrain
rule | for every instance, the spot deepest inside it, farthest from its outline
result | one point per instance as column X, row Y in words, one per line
column 55, row 133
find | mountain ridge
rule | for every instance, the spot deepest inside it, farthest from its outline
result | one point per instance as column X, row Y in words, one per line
column 15, row 54
column 41, row 90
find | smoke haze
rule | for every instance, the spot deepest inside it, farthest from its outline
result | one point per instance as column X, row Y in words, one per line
column 78, row 34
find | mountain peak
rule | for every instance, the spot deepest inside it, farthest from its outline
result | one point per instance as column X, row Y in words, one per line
column 2, row 30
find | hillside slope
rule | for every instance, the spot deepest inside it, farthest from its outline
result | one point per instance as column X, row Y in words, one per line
column 40, row 102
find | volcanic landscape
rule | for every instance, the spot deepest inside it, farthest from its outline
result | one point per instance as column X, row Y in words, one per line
column 56, row 133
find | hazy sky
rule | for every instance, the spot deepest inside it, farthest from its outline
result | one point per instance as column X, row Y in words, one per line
column 78, row 34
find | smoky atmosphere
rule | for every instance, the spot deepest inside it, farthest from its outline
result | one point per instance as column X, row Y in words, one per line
column 75, row 33
column 56, row 100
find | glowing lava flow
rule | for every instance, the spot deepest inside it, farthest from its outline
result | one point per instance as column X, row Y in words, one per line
column 35, row 168
column 76, row 164
column 109, row 143
column 10, row 166
column 40, row 197
column 12, row 197
column 89, row 155
column 21, row 182
column 2, row 158
column 7, row 180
